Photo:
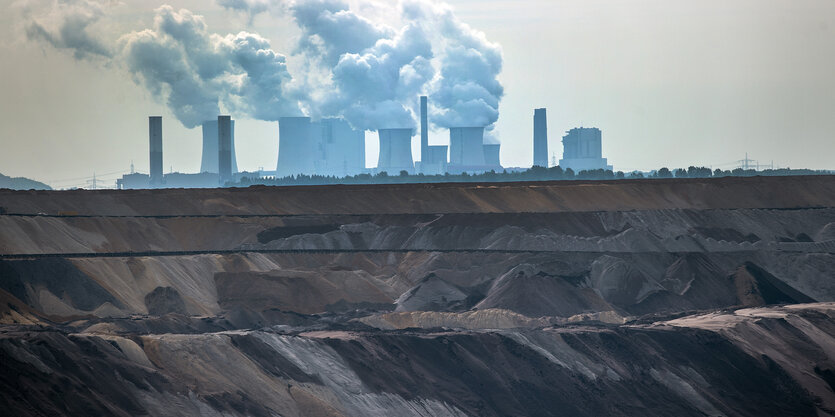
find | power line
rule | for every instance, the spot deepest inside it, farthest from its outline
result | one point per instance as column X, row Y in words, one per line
column 88, row 176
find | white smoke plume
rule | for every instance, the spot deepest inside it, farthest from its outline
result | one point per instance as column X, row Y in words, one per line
column 376, row 72
column 330, row 30
column 251, row 7
column 358, row 65
column 370, row 88
column 65, row 25
column 467, row 91
column 195, row 70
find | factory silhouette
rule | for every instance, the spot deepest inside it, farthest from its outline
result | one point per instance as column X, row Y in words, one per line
column 331, row 147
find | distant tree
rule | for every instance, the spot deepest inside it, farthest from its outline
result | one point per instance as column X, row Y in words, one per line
column 636, row 174
column 692, row 172
column 383, row 174
column 569, row 173
column 404, row 173
column 664, row 173
column 698, row 172
column 620, row 175
column 555, row 172
column 680, row 173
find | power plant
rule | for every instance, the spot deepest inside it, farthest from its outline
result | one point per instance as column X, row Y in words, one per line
column 583, row 150
column 331, row 147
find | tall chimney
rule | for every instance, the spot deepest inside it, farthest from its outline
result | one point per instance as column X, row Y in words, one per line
column 224, row 147
column 424, row 131
column 540, row 138
column 210, row 151
column 155, row 136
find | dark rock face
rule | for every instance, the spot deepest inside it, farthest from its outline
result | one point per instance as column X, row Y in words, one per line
column 653, row 298
column 164, row 300
column 25, row 278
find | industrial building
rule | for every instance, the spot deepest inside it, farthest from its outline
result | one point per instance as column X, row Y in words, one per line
column 330, row 147
column 583, row 150
column 209, row 160
column 395, row 151
column 540, row 138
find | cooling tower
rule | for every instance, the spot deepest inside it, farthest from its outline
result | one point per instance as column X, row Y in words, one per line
column 210, row 150
column 155, row 136
column 341, row 148
column 395, row 151
column 434, row 163
column 224, row 146
column 540, row 138
column 295, row 147
column 466, row 146
column 491, row 154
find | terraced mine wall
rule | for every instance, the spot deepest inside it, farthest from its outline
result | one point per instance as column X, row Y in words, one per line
column 537, row 197
column 632, row 297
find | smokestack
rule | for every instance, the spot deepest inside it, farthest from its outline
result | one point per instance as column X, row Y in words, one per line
column 424, row 131
column 155, row 135
column 224, row 146
column 395, row 151
column 540, row 138
column 208, row 161
column 466, row 146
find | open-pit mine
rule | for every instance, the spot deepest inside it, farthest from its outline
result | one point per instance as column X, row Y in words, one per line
column 679, row 297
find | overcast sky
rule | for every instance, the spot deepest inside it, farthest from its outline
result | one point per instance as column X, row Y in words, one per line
column 670, row 83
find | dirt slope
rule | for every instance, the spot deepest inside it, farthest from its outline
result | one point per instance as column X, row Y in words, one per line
column 652, row 298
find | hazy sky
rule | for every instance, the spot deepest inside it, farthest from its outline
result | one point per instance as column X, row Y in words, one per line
column 670, row 83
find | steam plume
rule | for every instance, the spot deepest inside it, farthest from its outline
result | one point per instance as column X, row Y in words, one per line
column 196, row 70
column 356, row 67
column 65, row 25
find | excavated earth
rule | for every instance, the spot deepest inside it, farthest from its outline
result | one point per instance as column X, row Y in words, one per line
column 681, row 297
